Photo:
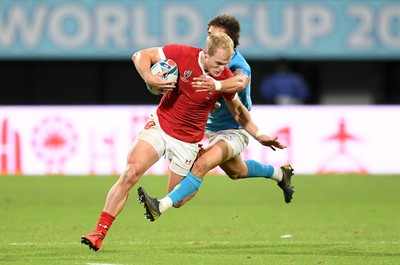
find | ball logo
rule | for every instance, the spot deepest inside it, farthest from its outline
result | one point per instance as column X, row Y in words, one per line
column 54, row 141
column 161, row 66
column 167, row 65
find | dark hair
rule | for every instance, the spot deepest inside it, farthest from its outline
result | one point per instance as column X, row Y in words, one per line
column 230, row 24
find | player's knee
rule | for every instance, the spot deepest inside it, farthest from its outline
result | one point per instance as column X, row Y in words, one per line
column 200, row 167
column 130, row 176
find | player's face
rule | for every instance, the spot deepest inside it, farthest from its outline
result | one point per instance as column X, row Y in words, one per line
column 216, row 63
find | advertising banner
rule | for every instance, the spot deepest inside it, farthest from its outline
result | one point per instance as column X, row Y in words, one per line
column 94, row 140
column 102, row 29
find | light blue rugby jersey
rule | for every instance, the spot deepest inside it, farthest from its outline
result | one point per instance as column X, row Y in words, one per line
column 221, row 118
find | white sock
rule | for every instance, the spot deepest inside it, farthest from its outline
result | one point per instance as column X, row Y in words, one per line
column 278, row 174
column 165, row 204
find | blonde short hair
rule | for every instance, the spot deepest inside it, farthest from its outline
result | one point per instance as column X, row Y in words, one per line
column 218, row 41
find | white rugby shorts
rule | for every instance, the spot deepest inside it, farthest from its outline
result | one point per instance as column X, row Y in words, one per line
column 238, row 139
column 180, row 155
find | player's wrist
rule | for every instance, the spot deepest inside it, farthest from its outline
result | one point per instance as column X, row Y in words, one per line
column 258, row 134
column 218, row 85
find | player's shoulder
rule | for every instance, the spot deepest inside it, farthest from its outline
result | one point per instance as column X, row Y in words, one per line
column 238, row 56
column 239, row 62
column 180, row 53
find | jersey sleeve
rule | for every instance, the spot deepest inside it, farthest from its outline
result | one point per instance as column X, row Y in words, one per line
column 172, row 51
column 239, row 69
column 239, row 64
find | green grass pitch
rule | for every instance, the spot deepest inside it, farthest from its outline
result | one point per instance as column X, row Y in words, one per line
column 342, row 219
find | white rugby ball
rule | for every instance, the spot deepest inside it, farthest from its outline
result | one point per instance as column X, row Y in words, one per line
column 163, row 65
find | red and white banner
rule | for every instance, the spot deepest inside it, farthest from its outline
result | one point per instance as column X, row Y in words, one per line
column 83, row 140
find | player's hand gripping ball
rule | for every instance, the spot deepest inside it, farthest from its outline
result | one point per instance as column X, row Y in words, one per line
column 163, row 65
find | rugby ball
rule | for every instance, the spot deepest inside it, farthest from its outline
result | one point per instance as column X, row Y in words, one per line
column 163, row 65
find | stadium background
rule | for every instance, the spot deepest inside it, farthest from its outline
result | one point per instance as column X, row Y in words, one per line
column 61, row 53
column 71, row 102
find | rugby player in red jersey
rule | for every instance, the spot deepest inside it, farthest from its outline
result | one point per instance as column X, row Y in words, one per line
column 177, row 127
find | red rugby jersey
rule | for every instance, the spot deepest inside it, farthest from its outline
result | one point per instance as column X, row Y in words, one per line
column 183, row 112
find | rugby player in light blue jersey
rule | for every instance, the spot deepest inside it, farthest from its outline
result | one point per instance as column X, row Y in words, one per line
column 227, row 138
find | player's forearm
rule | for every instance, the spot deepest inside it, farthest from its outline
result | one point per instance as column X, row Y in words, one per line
column 243, row 117
column 233, row 84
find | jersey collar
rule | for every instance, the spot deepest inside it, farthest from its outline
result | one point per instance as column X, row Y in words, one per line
column 205, row 72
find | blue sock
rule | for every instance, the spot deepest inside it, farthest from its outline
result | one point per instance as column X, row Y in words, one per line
column 257, row 169
column 186, row 187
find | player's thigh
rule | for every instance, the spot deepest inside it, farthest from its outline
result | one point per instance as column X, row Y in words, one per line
column 142, row 156
column 147, row 149
column 237, row 139
column 213, row 155
column 231, row 144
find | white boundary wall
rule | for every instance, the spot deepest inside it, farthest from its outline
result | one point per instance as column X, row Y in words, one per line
column 82, row 140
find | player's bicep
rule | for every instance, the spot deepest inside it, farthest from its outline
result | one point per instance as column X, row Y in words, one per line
column 243, row 75
column 152, row 53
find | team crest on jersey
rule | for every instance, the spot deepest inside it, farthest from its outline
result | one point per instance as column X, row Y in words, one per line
column 149, row 124
column 186, row 75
